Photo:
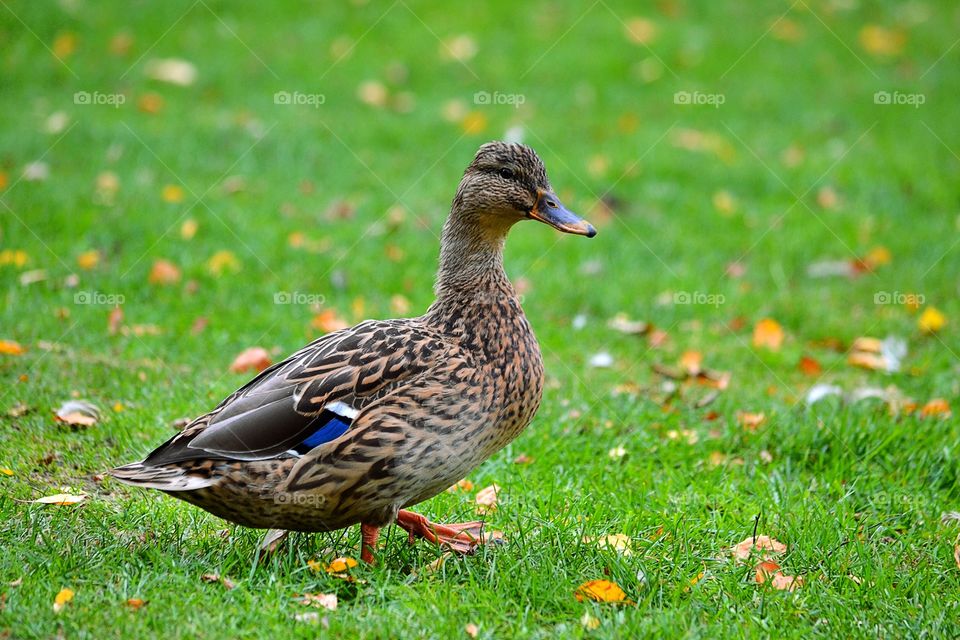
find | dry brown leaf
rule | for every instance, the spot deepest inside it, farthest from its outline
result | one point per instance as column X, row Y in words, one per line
column 11, row 348
column 77, row 413
column 768, row 334
column 956, row 555
column 765, row 545
column 163, row 272
column 62, row 499
column 321, row 600
column 487, row 499
column 64, row 596
column 750, row 421
column 252, row 359
column 600, row 591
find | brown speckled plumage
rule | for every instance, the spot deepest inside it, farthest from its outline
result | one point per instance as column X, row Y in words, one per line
column 434, row 395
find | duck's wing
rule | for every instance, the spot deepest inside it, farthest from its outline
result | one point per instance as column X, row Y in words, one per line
column 312, row 396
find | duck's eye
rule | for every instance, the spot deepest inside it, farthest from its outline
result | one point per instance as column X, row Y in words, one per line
column 506, row 174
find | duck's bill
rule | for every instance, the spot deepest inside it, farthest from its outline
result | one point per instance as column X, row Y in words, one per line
column 551, row 211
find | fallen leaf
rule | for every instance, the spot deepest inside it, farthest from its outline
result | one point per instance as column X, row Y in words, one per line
column 373, row 93
column 809, row 366
column 765, row 570
column 135, row 603
column 188, row 229
column 786, row 583
column 640, row 30
column 339, row 565
column 223, row 261
column 321, row 600
column 16, row 257
column 487, row 498
column 750, row 421
column 151, row 103
column 163, row 272
column 724, row 202
column 462, row 485
column 11, row 348
column 938, row 407
column 5, row 471
column 766, row 545
column 588, row 621
column 314, row 566
column 768, row 334
column 623, row 324
column 172, row 193
column 472, row 630
column 328, row 321
column 64, row 596
column 252, row 359
column 522, row 459
column 114, row 320
column 956, row 555
column 600, row 591
column 931, row 320
column 64, row 44
column 62, row 499
column 691, row 362
column 473, row 123
column 619, row 542
column 880, row 41
column 88, row 259
column 460, row 48
column 171, row 70
column 78, row 413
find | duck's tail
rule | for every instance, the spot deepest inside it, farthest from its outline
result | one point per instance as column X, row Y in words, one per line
column 163, row 477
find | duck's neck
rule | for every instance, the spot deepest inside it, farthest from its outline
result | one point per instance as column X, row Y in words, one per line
column 471, row 264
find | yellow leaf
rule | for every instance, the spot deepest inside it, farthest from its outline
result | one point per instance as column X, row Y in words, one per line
column 64, row 596
column 221, row 261
column 768, row 334
column 314, row 566
column 5, row 471
column 931, row 320
column 188, row 229
column 339, row 565
column 88, row 259
column 16, row 257
column 880, row 41
column 172, row 193
column 11, row 348
column 619, row 542
column 64, row 44
column 118, row 407
column 62, row 499
column 878, row 257
column 600, row 591
column 474, row 123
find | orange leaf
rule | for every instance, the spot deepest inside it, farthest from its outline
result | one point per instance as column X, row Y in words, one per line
column 135, row 603
column 750, row 421
column 328, row 321
column 768, row 334
column 487, row 499
column 936, row 407
column 339, row 565
column 931, row 320
column 172, row 193
column 88, row 259
column 163, row 272
column 766, row 545
column 11, row 348
column 809, row 366
column 692, row 362
column 766, row 569
column 786, row 583
column 252, row 359
column 600, row 591
column 64, row 596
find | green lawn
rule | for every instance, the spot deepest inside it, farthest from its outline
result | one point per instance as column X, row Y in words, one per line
column 785, row 158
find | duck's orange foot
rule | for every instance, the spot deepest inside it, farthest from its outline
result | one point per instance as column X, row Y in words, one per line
column 461, row 538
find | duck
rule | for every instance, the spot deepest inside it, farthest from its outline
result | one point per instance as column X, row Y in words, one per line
column 367, row 421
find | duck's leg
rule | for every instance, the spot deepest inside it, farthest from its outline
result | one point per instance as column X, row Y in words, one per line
column 368, row 542
column 271, row 541
column 462, row 538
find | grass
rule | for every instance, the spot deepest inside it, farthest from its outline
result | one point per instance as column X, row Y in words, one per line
column 852, row 489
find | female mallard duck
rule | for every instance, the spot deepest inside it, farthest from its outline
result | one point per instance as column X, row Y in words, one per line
column 366, row 421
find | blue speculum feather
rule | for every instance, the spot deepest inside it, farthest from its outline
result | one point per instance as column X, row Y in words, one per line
column 328, row 426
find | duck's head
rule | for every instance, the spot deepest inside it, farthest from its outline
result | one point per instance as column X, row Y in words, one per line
column 506, row 183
